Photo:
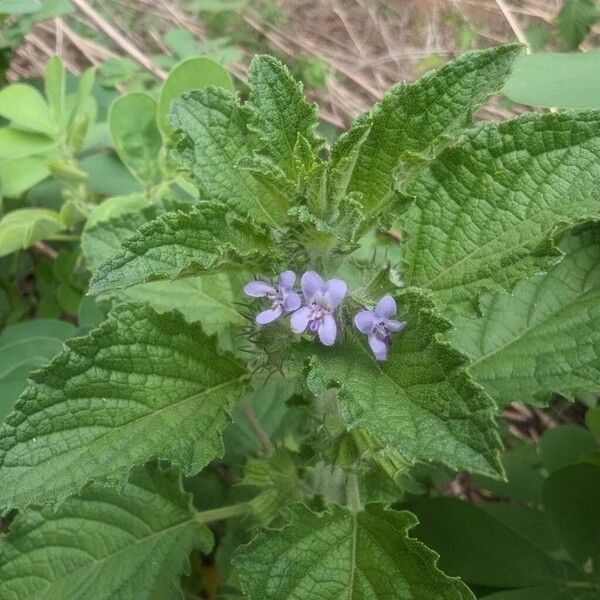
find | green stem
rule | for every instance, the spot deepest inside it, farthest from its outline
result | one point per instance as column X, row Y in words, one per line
column 593, row 585
column 353, row 493
column 223, row 512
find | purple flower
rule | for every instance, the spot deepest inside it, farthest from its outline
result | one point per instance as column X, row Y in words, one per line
column 321, row 298
column 282, row 297
column 378, row 327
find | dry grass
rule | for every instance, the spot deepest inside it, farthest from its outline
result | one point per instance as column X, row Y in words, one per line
column 366, row 45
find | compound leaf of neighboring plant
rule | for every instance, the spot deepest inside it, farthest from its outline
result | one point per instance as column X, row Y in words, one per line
column 213, row 140
column 571, row 501
column 24, row 347
column 485, row 208
column 140, row 386
column 22, row 228
column 279, row 113
column 132, row 122
column 420, row 401
column 180, row 244
column 26, row 108
column 545, row 336
column 131, row 543
column 495, row 553
column 191, row 74
column 575, row 20
column 415, row 120
column 344, row 554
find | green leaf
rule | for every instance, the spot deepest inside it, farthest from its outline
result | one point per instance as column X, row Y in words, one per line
column 420, row 401
column 564, row 445
column 191, row 74
column 344, row 554
column 131, row 543
column 214, row 139
column 26, row 108
column 111, row 208
column 482, row 549
column 20, row 174
column 54, row 87
column 108, row 175
column 22, row 228
column 575, row 20
column 545, row 337
column 547, row 593
column 23, row 347
column 140, row 386
column 279, row 113
column 571, row 501
column 557, row 80
column 16, row 143
column 19, row 7
column 416, row 119
column 132, row 121
column 179, row 244
column 484, row 209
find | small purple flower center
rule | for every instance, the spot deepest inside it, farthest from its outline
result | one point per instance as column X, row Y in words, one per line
column 319, row 308
column 382, row 332
column 276, row 299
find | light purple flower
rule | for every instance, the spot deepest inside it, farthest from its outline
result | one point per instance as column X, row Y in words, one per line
column 321, row 299
column 282, row 297
column 378, row 327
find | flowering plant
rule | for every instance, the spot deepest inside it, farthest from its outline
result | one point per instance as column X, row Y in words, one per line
column 440, row 261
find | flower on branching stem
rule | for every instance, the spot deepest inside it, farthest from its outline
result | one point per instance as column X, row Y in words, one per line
column 321, row 299
column 378, row 326
column 282, row 298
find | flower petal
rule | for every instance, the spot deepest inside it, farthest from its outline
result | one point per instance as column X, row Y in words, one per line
column 335, row 289
column 311, row 283
column 328, row 331
column 299, row 320
column 386, row 307
column 364, row 321
column 268, row 316
column 286, row 280
column 395, row 326
column 258, row 289
column 378, row 346
column 291, row 301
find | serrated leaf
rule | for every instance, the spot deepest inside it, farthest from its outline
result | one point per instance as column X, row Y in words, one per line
column 213, row 140
column 23, row 347
column 105, row 544
column 415, row 118
column 545, row 337
column 279, row 113
column 180, row 244
column 140, row 386
column 359, row 556
column 485, row 208
column 420, row 401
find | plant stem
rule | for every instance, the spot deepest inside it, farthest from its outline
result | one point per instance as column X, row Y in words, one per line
column 258, row 429
column 353, row 493
column 223, row 512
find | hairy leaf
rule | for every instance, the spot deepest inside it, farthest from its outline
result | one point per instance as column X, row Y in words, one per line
column 214, row 139
column 420, row 401
column 180, row 244
column 359, row 556
column 575, row 20
column 485, row 208
column 138, row 387
column 545, row 337
column 23, row 347
column 279, row 113
column 416, row 119
column 105, row 544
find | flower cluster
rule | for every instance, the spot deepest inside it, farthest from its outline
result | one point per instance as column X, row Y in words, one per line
column 321, row 299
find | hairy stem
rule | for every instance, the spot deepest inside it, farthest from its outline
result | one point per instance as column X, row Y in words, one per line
column 353, row 493
column 223, row 512
column 262, row 435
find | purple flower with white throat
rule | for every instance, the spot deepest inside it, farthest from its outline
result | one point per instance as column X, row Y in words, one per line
column 282, row 298
column 378, row 326
column 321, row 299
